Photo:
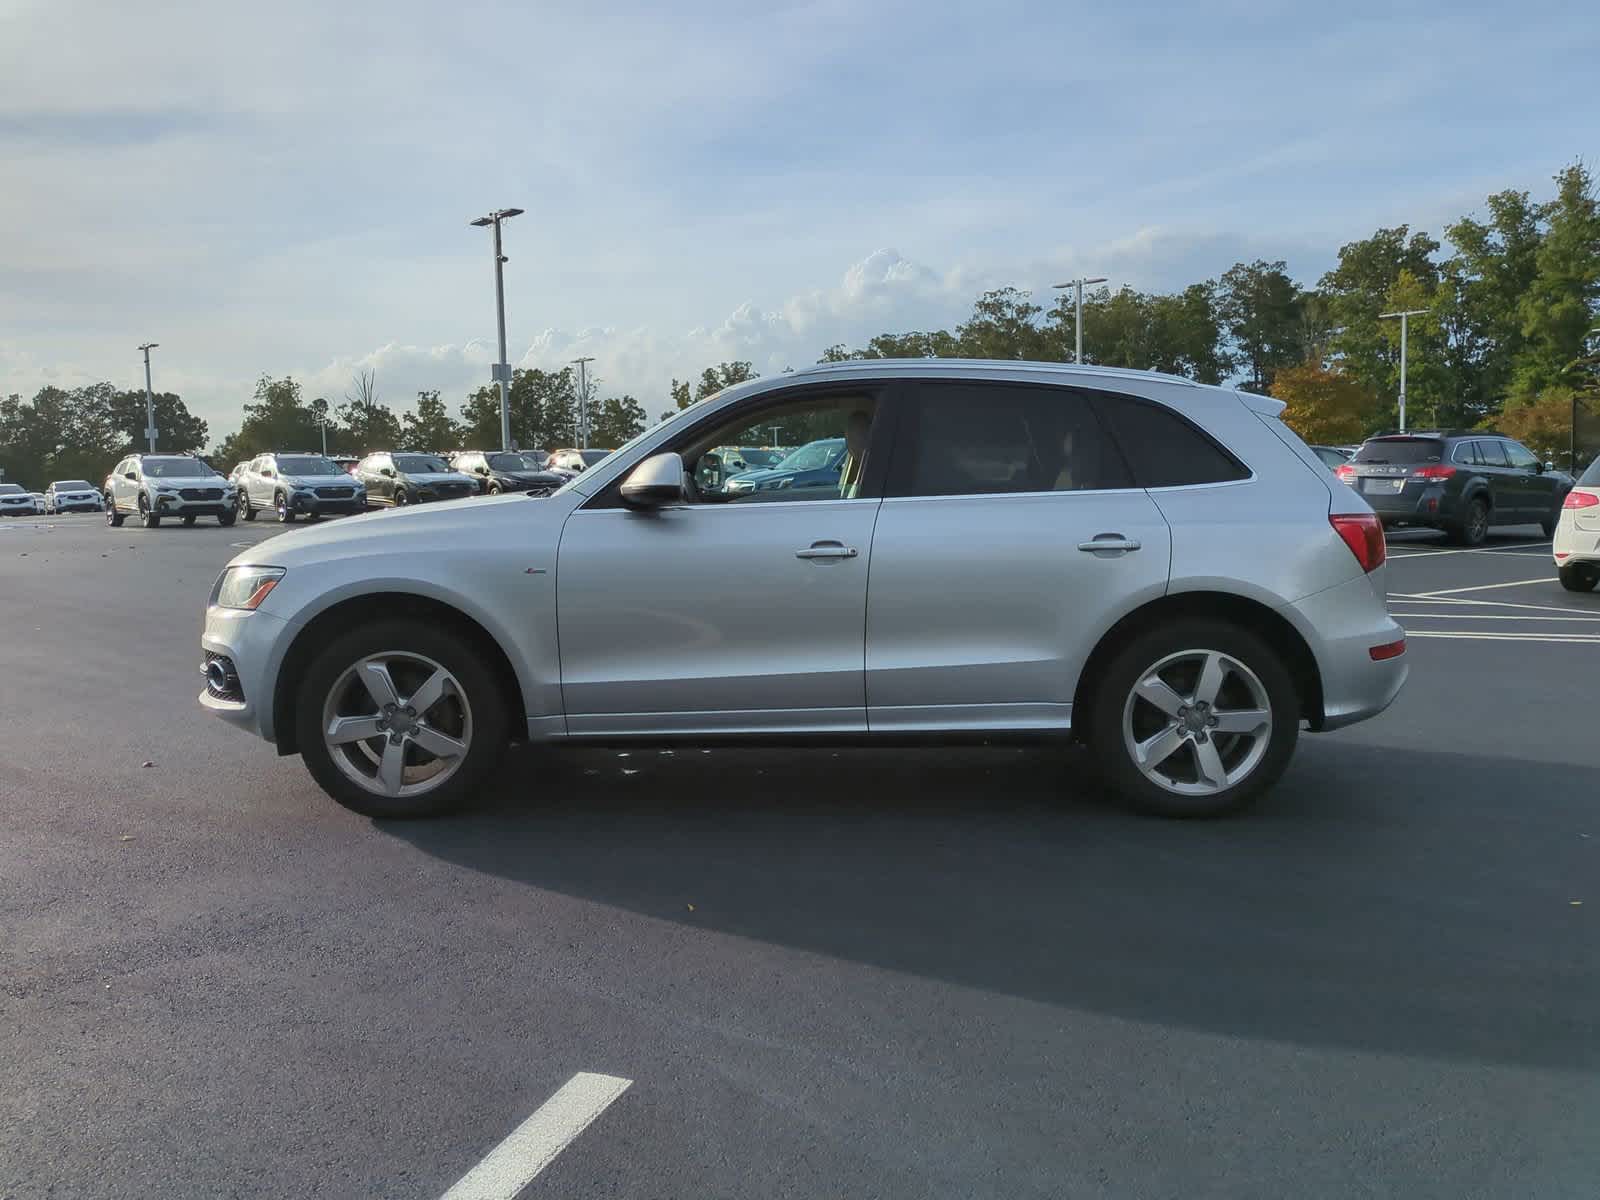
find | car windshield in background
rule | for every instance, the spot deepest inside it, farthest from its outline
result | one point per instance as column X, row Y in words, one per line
column 590, row 457
column 516, row 462
column 420, row 464
column 756, row 459
column 174, row 468
column 306, row 464
column 1400, row 450
column 813, row 457
column 10, row 489
column 73, row 485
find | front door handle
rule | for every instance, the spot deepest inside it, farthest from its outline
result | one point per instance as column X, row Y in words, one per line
column 1108, row 541
column 827, row 550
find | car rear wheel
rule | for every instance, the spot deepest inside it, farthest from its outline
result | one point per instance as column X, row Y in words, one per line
column 1579, row 577
column 1473, row 527
column 149, row 519
column 400, row 719
column 114, row 519
column 247, row 509
column 1195, row 719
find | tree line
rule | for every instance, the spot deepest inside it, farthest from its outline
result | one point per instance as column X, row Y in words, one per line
column 1507, row 299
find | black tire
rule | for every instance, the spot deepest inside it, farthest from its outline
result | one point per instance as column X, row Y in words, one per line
column 150, row 520
column 456, row 654
column 189, row 520
column 227, row 518
column 400, row 498
column 285, row 509
column 1116, row 684
column 1473, row 528
column 1579, row 577
column 246, row 509
column 114, row 519
column 494, row 489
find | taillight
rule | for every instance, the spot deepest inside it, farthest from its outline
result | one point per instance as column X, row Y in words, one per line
column 1577, row 499
column 1345, row 471
column 1438, row 472
column 1363, row 533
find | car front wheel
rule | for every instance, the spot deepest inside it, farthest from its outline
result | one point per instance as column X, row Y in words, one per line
column 114, row 519
column 285, row 509
column 149, row 519
column 400, row 719
column 1195, row 719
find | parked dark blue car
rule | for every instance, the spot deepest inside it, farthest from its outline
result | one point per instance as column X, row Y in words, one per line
column 814, row 465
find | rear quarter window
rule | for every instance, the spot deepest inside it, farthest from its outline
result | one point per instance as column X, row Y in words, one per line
column 1163, row 448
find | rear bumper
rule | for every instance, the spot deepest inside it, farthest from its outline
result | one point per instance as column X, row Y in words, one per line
column 1425, row 506
column 1574, row 545
column 1341, row 625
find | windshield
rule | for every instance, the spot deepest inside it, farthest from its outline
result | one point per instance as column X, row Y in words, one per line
column 10, row 489
column 72, row 485
column 516, row 462
column 814, row 456
column 590, row 457
column 420, row 464
column 306, row 464
column 1400, row 450
column 174, row 468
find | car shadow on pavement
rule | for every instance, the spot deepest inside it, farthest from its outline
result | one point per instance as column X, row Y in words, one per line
column 1354, row 908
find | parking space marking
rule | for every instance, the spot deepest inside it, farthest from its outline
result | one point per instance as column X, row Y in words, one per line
column 1480, row 587
column 1519, row 548
column 1405, row 601
column 1483, row 635
column 533, row 1145
column 1468, row 616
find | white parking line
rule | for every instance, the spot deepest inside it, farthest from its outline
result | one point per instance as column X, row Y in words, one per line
column 533, row 1145
column 1481, row 587
column 1580, row 639
column 1467, row 616
column 1403, row 552
column 1454, row 602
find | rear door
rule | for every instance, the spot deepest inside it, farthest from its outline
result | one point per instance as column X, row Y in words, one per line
column 1503, row 487
column 1010, row 534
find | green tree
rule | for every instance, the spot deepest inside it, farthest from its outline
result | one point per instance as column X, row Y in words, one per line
column 616, row 420
column 177, row 428
column 61, row 433
column 361, row 427
column 1005, row 324
column 1358, row 289
column 1260, row 306
column 430, row 426
column 543, row 409
column 275, row 419
column 1178, row 333
column 1561, row 301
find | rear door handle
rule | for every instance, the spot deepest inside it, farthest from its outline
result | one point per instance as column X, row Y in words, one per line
column 827, row 550
column 1108, row 541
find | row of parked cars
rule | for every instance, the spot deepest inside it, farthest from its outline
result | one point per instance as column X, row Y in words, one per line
column 62, row 496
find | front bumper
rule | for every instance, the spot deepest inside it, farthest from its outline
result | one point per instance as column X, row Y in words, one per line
column 1341, row 624
column 177, row 506
column 322, row 506
column 66, row 506
column 255, row 642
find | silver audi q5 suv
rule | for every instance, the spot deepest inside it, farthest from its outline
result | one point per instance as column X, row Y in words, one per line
column 1160, row 569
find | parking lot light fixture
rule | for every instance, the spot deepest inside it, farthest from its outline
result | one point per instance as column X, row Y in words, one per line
column 1077, row 285
column 149, row 399
column 1410, row 312
column 502, row 371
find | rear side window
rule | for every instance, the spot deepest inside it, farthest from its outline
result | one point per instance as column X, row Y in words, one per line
column 1491, row 454
column 969, row 439
column 1401, row 450
column 1466, row 453
column 1163, row 448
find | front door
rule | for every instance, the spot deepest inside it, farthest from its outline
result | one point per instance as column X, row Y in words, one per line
column 742, row 614
column 1010, row 537
column 1536, row 491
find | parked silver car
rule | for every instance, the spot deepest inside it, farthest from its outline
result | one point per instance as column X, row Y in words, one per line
column 297, row 484
column 153, row 486
column 1160, row 568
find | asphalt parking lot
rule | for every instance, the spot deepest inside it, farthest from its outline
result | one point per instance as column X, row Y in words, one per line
column 822, row 973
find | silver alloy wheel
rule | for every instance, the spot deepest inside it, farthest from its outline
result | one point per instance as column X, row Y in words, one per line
column 1197, row 722
column 397, row 724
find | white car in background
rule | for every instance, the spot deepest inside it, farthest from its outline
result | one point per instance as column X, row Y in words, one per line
column 71, row 495
column 1577, row 541
column 14, row 501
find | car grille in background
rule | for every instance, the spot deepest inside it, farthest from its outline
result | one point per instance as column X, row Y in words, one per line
column 335, row 493
column 454, row 489
column 200, row 493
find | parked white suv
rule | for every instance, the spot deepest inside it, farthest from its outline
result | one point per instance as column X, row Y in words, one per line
column 15, row 501
column 1159, row 568
column 153, row 486
column 297, row 484
column 71, row 495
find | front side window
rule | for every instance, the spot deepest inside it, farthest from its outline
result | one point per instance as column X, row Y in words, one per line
column 831, row 435
column 970, row 439
column 1520, row 457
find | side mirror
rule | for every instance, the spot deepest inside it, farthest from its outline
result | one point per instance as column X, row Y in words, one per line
column 388, row 472
column 656, row 481
column 130, row 475
column 1547, row 466
column 483, row 470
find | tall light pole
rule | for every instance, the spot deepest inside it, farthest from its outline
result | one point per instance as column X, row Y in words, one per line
column 1410, row 312
column 502, row 369
column 583, row 400
column 149, row 400
column 1078, row 285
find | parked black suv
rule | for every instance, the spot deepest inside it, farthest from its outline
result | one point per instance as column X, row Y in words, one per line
column 1459, row 482
column 402, row 478
column 507, row 471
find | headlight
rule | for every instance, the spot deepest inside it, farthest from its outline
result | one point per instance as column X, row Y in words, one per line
column 166, row 491
column 786, row 481
column 245, row 587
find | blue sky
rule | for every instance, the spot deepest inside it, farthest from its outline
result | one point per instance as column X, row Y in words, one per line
column 285, row 188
